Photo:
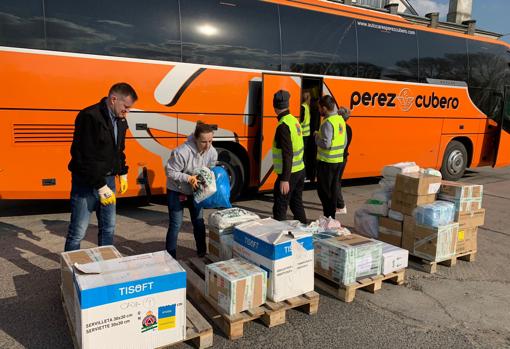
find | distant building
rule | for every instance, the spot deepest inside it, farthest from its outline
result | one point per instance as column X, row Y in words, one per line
column 403, row 5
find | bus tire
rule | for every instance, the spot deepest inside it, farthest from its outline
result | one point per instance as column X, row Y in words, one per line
column 235, row 169
column 455, row 161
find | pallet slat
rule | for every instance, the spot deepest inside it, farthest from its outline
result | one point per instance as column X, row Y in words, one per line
column 347, row 293
column 431, row 267
column 271, row 313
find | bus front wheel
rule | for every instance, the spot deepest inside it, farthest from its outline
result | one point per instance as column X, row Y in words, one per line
column 235, row 169
column 455, row 161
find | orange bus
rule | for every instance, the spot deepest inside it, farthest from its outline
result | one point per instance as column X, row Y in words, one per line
column 436, row 97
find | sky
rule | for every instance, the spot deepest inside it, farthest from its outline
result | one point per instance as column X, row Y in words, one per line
column 492, row 15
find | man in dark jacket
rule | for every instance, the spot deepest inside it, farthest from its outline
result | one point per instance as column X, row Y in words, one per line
column 97, row 156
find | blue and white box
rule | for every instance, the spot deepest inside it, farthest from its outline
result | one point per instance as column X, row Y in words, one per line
column 283, row 250
column 130, row 302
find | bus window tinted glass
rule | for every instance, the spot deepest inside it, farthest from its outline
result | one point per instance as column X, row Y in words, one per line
column 21, row 23
column 128, row 28
column 318, row 43
column 442, row 57
column 239, row 33
column 387, row 52
column 488, row 75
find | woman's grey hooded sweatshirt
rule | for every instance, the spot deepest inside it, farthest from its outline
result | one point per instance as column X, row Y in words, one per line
column 183, row 161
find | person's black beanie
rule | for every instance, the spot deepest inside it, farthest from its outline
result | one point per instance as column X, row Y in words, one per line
column 281, row 100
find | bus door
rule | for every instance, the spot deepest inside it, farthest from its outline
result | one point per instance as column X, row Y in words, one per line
column 503, row 148
column 271, row 83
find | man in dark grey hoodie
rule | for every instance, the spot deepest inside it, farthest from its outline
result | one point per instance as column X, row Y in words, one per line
column 196, row 153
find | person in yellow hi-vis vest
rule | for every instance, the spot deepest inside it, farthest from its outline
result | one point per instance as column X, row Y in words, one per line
column 305, row 120
column 331, row 140
column 288, row 149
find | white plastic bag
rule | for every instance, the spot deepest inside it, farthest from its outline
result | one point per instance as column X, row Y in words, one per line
column 206, row 184
column 230, row 217
column 366, row 224
column 391, row 171
column 398, row 216
column 431, row 172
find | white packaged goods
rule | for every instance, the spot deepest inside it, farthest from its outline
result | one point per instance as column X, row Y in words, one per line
column 466, row 197
column 431, row 172
column 376, row 207
column 222, row 247
column 349, row 258
column 227, row 219
column 393, row 258
column 67, row 261
column 366, row 223
column 381, row 195
column 387, row 184
column 396, row 215
column 236, row 285
column 391, row 171
column 206, row 184
column 135, row 302
column 285, row 252
column 435, row 214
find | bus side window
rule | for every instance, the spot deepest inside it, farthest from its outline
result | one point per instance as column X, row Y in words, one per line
column 237, row 33
column 329, row 48
column 21, row 24
column 128, row 28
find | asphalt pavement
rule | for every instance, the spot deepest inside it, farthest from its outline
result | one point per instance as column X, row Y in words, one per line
column 466, row 306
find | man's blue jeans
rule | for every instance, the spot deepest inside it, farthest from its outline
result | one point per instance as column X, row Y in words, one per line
column 85, row 200
column 176, row 204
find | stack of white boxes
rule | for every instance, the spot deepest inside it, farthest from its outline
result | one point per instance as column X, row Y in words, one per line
column 221, row 228
column 285, row 252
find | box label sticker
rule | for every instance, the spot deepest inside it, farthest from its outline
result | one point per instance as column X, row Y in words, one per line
column 167, row 317
column 434, row 188
column 461, row 235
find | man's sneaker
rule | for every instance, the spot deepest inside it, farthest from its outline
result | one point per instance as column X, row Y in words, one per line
column 341, row 210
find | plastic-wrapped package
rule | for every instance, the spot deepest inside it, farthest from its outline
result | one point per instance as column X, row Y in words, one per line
column 229, row 218
column 366, row 223
column 431, row 172
column 206, row 184
column 436, row 214
column 376, row 207
column 398, row 216
column 391, row 171
column 387, row 184
column 381, row 195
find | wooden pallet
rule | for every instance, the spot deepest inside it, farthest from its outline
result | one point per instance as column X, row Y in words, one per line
column 271, row 313
column 431, row 267
column 347, row 293
column 198, row 331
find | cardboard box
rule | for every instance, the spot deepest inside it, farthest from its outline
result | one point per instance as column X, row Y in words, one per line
column 221, row 245
column 393, row 258
column 280, row 249
column 471, row 219
column 67, row 260
column 466, row 240
column 435, row 244
column 417, row 184
column 348, row 258
column 236, row 285
column 390, row 231
column 452, row 191
column 406, row 203
column 135, row 302
column 408, row 233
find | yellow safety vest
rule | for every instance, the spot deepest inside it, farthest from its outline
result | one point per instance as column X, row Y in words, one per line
column 335, row 154
column 305, row 125
column 297, row 146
